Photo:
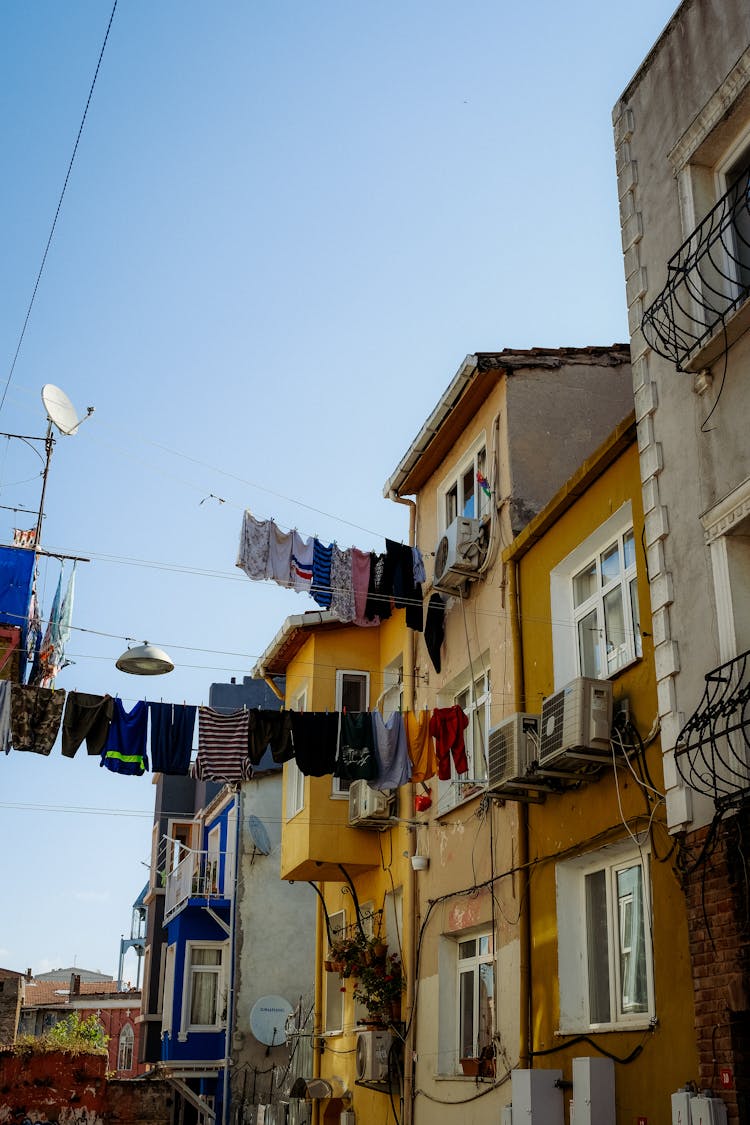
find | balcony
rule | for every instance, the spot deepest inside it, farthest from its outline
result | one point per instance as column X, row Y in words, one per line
column 199, row 879
column 696, row 316
column 713, row 750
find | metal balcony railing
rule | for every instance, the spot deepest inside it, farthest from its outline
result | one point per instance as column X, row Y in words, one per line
column 713, row 750
column 708, row 279
column 198, row 875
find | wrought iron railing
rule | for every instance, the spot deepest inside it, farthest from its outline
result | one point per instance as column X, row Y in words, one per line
column 198, row 875
column 712, row 752
column 708, row 279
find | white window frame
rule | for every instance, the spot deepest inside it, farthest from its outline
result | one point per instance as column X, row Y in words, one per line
column 294, row 779
column 476, row 459
column 219, row 971
column 125, row 1047
column 450, row 967
column 465, row 786
column 167, row 1007
column 726, row 527
column 566, row 615
column 339, row 787
column 573, row 939
column 333, row 1010
column 392, row 696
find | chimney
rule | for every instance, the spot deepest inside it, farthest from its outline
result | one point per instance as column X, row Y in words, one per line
column 28, row 974
column 75, row 984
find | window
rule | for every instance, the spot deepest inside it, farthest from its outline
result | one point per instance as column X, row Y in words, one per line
column 168, row 989
column 293, row 777
column 474, row 700
column 334, row 997
column 727, row 532
column 125, row 1048
column 392, row 695
column 352, row 694
column 596, row 626
column 204, row 991
column 603, row 911
column 461, row 494
column 212, row 861
column 476, row 995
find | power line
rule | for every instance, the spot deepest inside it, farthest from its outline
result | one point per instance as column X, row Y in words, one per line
column 57, row 212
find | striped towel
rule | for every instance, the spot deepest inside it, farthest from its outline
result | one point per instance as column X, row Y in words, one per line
column 222, row 746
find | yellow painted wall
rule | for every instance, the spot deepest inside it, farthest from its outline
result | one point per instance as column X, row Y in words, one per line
column 583, row 820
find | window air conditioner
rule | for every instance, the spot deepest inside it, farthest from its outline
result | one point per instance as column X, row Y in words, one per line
column 457, row 554
column 511, row 748
column 368, row 808
column 576, row 724
column 373, row 1049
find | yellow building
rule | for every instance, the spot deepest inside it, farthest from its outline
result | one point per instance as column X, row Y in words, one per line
column 360, row 872
column 606, row 969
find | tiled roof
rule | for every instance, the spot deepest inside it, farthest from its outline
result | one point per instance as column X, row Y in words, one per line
column 41, row 993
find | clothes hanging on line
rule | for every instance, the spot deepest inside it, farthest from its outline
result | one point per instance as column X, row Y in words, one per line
column 222, row 746
column 172, row 727
column 356, row 760
column 434, row 629
column 5, row 689
column 125, row 749
column 342, row 589
column 447, row 726
column 270, row 730
column 255, row 544
column 315, row 735
column 86, row 716
column 420, row 745
column 361, row 582
column 35, row 716
column 394, row 767
column 320, row 588
column 280, row 555
column 301, row 566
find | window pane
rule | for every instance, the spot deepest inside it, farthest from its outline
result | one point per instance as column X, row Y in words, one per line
column 584, row 584
column 633, row 989
column 485, row 945
column 628, row 549
column 636, row 616
column 467, row 948
column 597, row 947
column 203, row 996
column 451, row 505
column 467, row 489
column 205, row 957
column 486, row 1005
column 466, row 1015
column 614, row 624
column 610, row 562
column 353, row 692
column 588, row 645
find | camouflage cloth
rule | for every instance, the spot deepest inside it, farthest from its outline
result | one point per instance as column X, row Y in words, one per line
column 35, row 715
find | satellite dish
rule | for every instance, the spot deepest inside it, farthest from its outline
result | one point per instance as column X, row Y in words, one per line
column 268, row 1020
column 60, row 409
column 258, row 835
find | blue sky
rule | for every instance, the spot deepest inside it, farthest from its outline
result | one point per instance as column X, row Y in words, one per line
column 286, row 225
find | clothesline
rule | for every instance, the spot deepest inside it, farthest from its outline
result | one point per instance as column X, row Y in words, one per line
column 238, row 745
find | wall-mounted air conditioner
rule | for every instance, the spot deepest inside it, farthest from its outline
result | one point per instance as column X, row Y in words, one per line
column 458, row 554
column 368, row 808
column 511, row 748
column 576, row 724
column 373, row 1049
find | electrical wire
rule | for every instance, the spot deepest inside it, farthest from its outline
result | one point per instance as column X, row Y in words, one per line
column 57, row 212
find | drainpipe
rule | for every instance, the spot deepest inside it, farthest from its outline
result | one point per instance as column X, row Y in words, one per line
column 232, row 964
column 317, row 1041
column 406, row 814
column 525, row 1057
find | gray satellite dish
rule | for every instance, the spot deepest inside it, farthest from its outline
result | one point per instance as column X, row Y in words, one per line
column 258, row 835
column 60, row 409
column 268, row 1020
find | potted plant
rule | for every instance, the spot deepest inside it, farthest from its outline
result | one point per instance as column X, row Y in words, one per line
column 379, row 988
column 481, row 1065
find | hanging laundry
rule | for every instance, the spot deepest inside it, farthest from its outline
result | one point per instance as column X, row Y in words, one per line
column 360, row 583
column 16, row 577
column 394, row 767
column 42, row 673
column 86, row 716
column 301, row 567
column 420, row 575
column 125, row 749
column 279, row 555
column 356, row 757
column 321, row 580
column 342, row 591
column 63, row 629
column 35, row 714
column 447, row 726
column 379, row 590
column 33, row 636
column 172, row 727
column 315, row 735
column 270, row 729
column 5, row 716
column 420, row 745
column 434, row 629
column 222, row 746
column 255, row 545
column 407, row 593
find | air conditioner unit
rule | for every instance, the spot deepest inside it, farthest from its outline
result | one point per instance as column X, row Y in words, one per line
column 368, row 808
column 373, row 1049
column 511, row 748
column 576, row 724
column 457, row 554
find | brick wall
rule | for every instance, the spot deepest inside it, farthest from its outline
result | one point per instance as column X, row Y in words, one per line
column 718, row 906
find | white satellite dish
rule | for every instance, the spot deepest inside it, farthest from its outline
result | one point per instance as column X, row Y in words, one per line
column 268, row 1020
column 60, row 409
column 259, row 835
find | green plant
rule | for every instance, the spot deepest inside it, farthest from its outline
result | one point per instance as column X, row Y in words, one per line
column 380, row 985
column 71, row 1034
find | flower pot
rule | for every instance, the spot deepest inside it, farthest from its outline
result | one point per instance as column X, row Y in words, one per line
column 379, row 950
column 478, row 1068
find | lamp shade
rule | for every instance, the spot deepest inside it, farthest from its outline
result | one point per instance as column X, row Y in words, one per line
column 145, row 660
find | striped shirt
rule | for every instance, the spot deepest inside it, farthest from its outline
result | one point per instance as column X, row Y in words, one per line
column 222, row 746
